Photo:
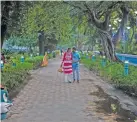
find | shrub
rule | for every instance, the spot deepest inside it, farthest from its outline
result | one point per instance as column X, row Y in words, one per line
column 50, row 56
column 36, row 61
column 57, row 52
column 12, row 77
column 114, row 72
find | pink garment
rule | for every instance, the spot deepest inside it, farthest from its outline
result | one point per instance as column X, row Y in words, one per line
column 67, row 63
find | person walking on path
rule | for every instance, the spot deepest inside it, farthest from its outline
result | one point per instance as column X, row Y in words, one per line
column 61, row 51
column 75, row 64
column 67, row 65
column 45, row 60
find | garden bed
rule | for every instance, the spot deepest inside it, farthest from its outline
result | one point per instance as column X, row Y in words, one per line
column 114, row 73
column 14, row 77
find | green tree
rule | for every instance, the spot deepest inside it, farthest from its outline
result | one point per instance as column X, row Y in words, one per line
column 99, row 14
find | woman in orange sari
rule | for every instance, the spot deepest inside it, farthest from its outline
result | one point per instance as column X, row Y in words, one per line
column 45, row 60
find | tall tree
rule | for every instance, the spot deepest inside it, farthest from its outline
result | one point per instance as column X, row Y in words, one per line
column 99, row 14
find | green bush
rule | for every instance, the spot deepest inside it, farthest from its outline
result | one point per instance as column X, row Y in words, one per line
column 36, row 61
column 50, row 56
column 12, row 77
column 19, row 66
column 114, row 72
column 6, row 52
column 57, row 52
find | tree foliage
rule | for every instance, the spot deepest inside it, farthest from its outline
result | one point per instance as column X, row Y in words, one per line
column 100, row 14
column 71, row 22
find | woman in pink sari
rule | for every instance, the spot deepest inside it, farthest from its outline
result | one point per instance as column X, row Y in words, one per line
column 67, row 65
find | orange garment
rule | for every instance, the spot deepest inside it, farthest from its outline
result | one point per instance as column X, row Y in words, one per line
column 45, row 61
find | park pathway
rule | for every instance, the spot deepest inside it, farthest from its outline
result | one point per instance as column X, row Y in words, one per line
column 46, row 98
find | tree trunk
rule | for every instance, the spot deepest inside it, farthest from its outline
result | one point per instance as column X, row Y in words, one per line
column 118, row 36
column 132, row 36
column 4, row 19
column 107, row 42
column 102, row 27
column 3, row 33
column 92, row 46
column 41, row 44
column 108, row 45
column 30, row 49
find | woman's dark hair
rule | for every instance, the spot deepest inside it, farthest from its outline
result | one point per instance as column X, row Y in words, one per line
column 74, row 48
column 68, row 49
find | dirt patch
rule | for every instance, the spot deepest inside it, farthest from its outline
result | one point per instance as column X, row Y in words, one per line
column 111, row 108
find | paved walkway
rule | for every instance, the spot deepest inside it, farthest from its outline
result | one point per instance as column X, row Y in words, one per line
column 46, row 98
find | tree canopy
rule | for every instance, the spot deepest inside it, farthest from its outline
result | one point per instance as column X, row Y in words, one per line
column 70, row 22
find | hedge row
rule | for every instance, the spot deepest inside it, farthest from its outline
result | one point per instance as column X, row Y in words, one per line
column 114, row 72
column 12, row 77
